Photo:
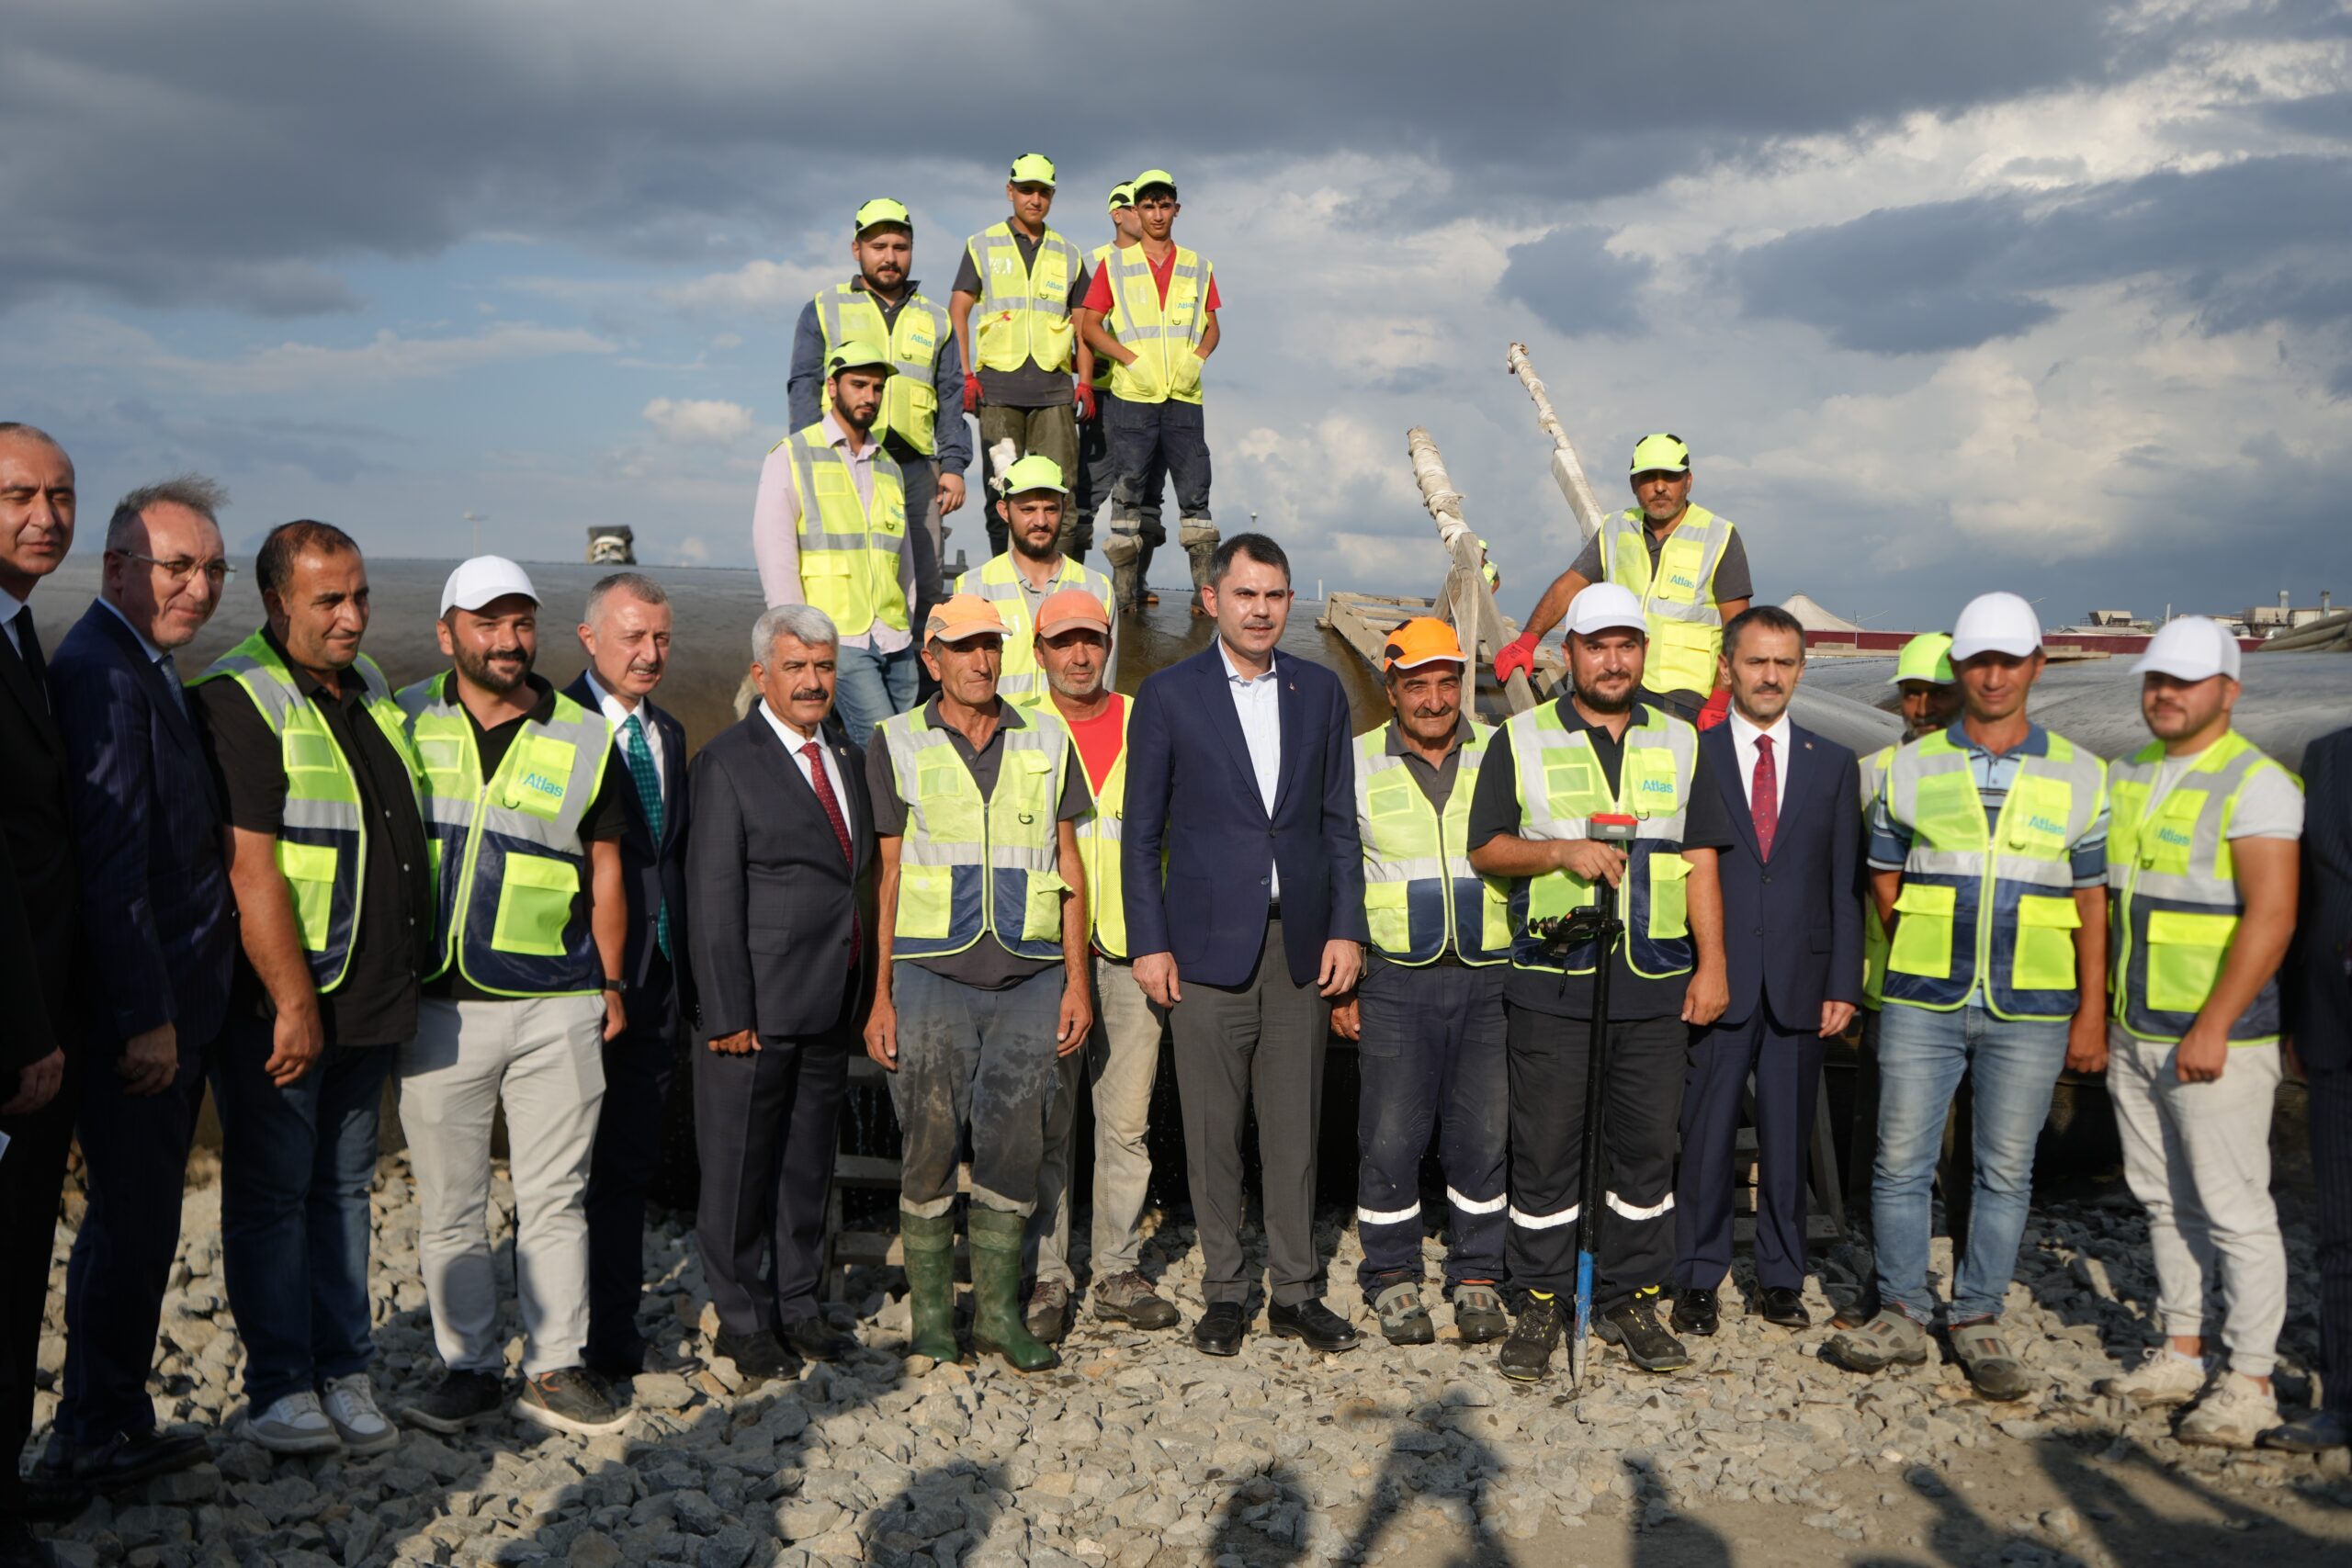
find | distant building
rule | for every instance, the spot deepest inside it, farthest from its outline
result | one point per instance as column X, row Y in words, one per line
column 2268, row 620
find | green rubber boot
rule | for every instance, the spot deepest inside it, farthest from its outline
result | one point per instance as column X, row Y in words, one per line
column 929, row 1243
column 997, row 1326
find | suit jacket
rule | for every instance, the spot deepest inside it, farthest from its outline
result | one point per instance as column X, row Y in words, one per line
column 774, row 902
column 1193, row 792
column 2317, row 990
column 655, row 873
column 155, row 903
column 1792, row 926
column 39, row 896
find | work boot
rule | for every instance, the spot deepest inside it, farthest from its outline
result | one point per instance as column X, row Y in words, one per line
column 1199, row 537
column 1404, row 1316
column 928, row 1242
column 1633, row 1326
column 1124, row 551
column 1984, row 1356
column 1047, row 1313
column 1478, row 1313
column 2163, row 1377
column 1527, row 1354
column 1890, row 1338
column 1129, row 1298
column 996, row 1328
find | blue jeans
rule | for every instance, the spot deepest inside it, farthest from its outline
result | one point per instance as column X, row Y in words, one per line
column 297, row 1164
column 870, row 687
column 2012, row 1067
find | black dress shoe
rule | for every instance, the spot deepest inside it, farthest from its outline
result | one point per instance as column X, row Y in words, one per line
column 758, row 1357
column 1317, row 1324
column 1780, row 1304
column 815, row 1340
column 19, row 1548
column 47, row 1499
column 1694, row 1312
column 1220, row 1329
column 130, row 1459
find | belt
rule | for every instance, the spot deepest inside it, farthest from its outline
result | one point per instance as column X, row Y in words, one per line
column 1274, row 909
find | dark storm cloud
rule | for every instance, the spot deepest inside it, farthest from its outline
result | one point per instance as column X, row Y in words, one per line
column 1570, row 280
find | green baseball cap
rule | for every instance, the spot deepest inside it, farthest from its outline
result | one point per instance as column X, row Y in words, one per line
column 1927, row 656
column 852, row 355
column 1036, row 471
column 1150, row 177
column 1123, row 195
column 1661, row 454
column 1033, row 168
column 882, row 210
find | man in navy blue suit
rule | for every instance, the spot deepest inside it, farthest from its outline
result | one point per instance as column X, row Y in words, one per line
column 1240, row 767
column 1793, row 943
column 625, row 631
column 156, row 912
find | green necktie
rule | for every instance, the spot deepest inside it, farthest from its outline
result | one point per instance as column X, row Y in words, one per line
column 649, row 794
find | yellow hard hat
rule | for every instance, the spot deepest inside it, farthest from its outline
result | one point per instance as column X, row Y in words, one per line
column 1927, row 656
column 1661, row 454
column 1033, row 168
column 852, row 355
column 1123, row 195
column 882, row 210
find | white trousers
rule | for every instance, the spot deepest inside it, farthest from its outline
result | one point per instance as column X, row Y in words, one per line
column 1121, row 1061
column 544, row 1057
column 2197, row 1156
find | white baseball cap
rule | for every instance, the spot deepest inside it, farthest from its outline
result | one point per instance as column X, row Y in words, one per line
column 2194, row 647
column 483, row 580
column 1606, row 607
column 1995, row 623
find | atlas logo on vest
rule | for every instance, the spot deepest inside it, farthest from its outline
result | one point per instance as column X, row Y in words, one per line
column 541, row 784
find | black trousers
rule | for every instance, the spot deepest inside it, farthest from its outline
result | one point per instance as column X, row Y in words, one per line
column 639, row 1064
column 1549, row 1058
column 32, row 1177
column 1787, row 1065
column 764, row 1134
column 2331, row 1129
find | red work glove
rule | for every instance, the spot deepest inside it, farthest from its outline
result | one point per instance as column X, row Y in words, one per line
column 971, row 394
column 1718, row 709
column 1085, row 399
column 1517, row 655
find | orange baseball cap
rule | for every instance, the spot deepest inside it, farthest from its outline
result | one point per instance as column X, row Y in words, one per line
column 964, row 616
column 1071, row 607
column 1424, row 640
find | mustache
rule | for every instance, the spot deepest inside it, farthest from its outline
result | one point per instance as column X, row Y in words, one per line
column 813, row 694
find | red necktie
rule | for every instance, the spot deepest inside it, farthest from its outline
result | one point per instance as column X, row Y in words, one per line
column 1764, row 797
column 832, row 802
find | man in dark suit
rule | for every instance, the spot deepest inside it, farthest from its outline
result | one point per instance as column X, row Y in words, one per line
column 1793, row 948
column 780, row 871
column 2318, row 997
column 155, row 906
column 40, row 935
column 1240, row 768
column 625, row 632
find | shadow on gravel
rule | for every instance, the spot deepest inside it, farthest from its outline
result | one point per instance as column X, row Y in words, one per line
column 1431, row 1463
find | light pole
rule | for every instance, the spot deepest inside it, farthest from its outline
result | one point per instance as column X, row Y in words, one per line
column 476, row 519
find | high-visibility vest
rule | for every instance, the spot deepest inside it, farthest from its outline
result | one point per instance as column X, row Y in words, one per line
column 1166, row 334
column 1020, row 678
column 323, row 836
column 1420, row 895
column 2173, row 904
column 1023, row 311
column 1993, row 901
column 1104, row 363
column 1098, row 832
column 910, row 398
column 1873, row 929
column 506, row 854
column 849, row 549
column 970, row 867
column 1561, row 788
column 1686, row 629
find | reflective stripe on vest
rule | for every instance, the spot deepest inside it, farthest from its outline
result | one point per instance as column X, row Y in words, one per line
column 1421, row 897
column 1561, row 788
column 323, row 833
column 506, row 853
column 1023, row 311
column 1104, row 363
column 1098, row 832
column 1995, row 902
column 910, row 398
column 2174, row 902
column 1020, row 678
column 970, row 868
column 849, row 551
column 1164, row 334
column 1686, row 629
column 1873, row 929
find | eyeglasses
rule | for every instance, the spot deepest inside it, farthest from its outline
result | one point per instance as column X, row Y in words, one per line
column 179, row 571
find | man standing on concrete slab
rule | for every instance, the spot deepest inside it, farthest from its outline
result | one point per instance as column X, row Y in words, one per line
column 1010, row 307
column 2201, row 880
column 1032, row 568
column 333, row 880
column 1097, row 475
column 1241, row 799
column 1428, row 1017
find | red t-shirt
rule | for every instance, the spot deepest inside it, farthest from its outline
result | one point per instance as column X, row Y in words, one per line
column 1098, row 292
column 1099, row 739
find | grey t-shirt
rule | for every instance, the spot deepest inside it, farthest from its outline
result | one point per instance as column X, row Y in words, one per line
column 988, row 964
column 1032, row 386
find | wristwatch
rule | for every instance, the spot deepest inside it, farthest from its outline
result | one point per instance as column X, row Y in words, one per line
column 613, row 985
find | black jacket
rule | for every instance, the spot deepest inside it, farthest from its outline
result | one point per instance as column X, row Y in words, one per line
column 2317, row 989
column 655, row 874
column 38, row 925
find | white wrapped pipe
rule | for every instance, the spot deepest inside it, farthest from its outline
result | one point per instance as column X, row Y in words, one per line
column 1567, row 472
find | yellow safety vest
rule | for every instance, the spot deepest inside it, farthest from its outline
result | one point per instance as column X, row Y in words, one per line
column 1023, row 310
column 970, row 867
column 1099, row 834
column 910, row 398
column 1165, row 335
column 1103, row 364
column 1421, row 897
column 1873, row 929
column 849, row 551
column 1686, row 629
column 1020, row 678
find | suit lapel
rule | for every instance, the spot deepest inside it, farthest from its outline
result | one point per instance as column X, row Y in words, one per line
column 167, row 704
column 1723, row 760
column 794, row 785
column 1218, row 698
column 16, row 679
column 1803, row 759
column 1293, row 705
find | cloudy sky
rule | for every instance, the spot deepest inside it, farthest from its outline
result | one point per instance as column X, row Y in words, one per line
column 2017, row 293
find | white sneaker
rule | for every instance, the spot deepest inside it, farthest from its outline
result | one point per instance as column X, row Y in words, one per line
column 364, row 1429
column 2163, row 1377
column 294, row 1425
column 2238, row 1411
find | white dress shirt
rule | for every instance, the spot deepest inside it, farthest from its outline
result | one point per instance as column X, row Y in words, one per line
column 10, row 605
column 618, row 713
column 793, row 741
column 1257, row 702
column 1743, row 745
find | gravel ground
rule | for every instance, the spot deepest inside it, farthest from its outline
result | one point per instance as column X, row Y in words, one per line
column 1138, row 1452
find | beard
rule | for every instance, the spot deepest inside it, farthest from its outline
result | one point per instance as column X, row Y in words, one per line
column 489, row 677
column 1598, row 703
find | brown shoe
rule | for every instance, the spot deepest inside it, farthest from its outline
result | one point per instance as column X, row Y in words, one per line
column 1047, row 1315
column 1129, row 1298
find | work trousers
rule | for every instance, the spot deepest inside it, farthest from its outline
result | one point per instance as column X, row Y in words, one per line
column 1170, row 437
column 1550, row 1058
column 2198, row 1158
column 1922, row 1056
column 1787, row 1069
column 542, row 1058
column 134, row 1167
column 975, row 1061
column 871, row 687
column 1098, row 476
column 2330, row 1133
column 639, row 1063
column 32, row 1177
column 1259, row 1044
column 766, row 1131
column 297, row 1165
column 1434, row 1055
column 926, row 536
column 1120, row 1064
column 1009, row 433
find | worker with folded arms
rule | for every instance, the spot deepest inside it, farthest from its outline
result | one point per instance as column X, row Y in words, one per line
column 1032, row 569
column 1687, row 566
column 1097, row 474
